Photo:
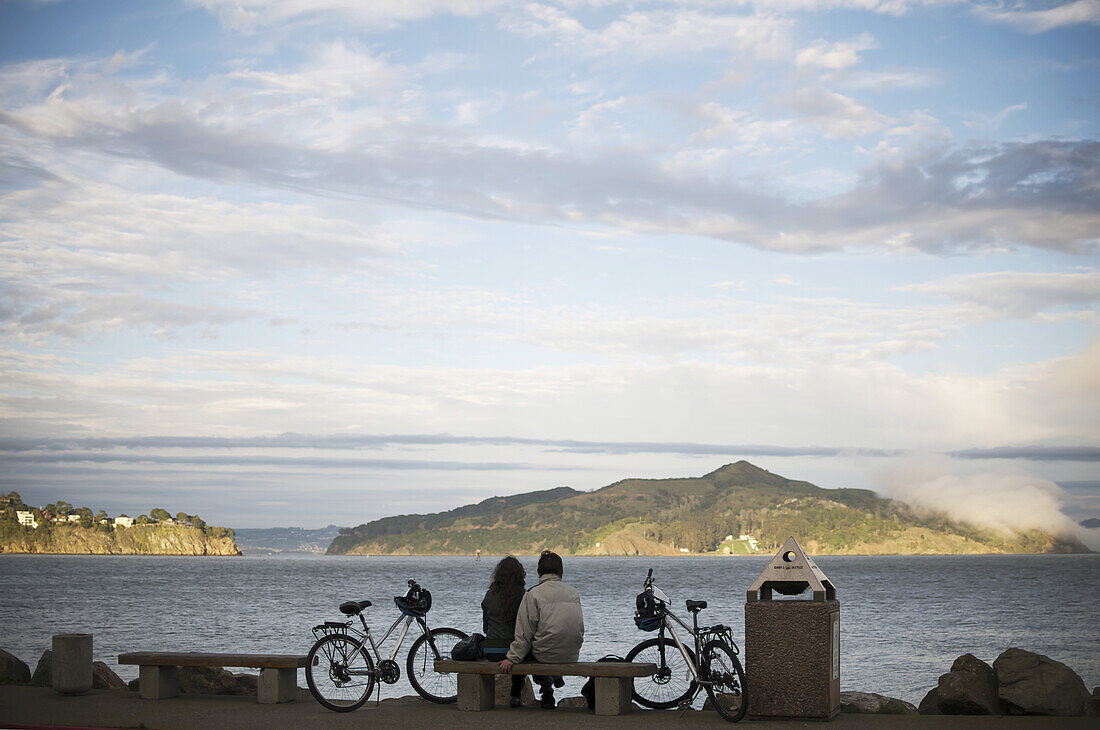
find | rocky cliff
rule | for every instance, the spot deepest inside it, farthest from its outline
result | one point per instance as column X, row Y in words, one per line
column 136, row 540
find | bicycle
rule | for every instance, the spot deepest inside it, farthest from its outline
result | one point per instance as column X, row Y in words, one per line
column 680, row 674
column 341, row 673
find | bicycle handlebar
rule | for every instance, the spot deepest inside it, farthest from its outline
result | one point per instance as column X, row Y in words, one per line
column 649, row 579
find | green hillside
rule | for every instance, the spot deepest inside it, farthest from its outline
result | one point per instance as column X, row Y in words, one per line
column 693, row 515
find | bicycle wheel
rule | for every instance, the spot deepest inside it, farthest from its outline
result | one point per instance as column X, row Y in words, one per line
column 672, row 684
column 727, row 680
column 433, row 686
column 339, row 672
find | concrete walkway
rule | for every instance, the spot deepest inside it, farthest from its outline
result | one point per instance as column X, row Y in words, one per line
column 42, row 707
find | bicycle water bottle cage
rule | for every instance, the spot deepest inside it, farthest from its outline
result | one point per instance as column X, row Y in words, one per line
column 417, row 603
column 353, row 608
column 696, row 606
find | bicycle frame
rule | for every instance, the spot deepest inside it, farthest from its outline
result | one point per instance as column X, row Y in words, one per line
column 377, row 645
column 666, row 624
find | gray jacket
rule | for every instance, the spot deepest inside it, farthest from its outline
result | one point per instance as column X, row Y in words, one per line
column 549, row 623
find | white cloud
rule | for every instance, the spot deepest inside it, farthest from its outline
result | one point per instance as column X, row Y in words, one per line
column 1009, row 499
column 1018, row 295
column 836, row 115
column 837, row 56
column 248, row 14
column 1078, row 12
column 656, row 34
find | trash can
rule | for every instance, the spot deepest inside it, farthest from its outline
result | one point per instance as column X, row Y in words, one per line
column 792, row 647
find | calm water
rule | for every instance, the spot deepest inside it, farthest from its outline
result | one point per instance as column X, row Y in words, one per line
column 903, row 619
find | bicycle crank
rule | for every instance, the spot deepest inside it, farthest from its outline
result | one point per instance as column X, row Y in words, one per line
column 388, row 671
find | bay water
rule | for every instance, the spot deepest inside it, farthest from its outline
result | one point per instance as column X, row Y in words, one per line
column 903, row 619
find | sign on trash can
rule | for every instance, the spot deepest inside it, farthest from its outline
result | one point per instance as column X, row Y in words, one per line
column 792, row 646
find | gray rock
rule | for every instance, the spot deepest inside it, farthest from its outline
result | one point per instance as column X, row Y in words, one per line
column 930, row 705
column 43, row 672
column 504, row 691
column 216, row 681
column 580, row 702
column 1033, row 684
column 970, row 688
column 867, row 703
column 134, row 685
column 13, row 670
column 103, row 677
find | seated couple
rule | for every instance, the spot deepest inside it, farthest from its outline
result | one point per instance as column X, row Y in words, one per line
column 543, row 624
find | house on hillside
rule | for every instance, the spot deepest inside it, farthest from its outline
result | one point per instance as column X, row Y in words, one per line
column 124, row 521
column 26, row 518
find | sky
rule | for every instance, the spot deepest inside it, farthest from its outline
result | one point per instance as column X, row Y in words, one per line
column 278, row 262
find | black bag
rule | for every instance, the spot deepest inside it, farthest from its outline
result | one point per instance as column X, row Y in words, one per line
column 589, row 688
column 469, row 649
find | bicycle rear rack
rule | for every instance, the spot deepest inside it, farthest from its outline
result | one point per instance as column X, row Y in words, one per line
column 330, row 627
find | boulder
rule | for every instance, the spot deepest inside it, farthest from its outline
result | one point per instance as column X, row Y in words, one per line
column 1092, row 705
column 1033, row 684
column 970, row 688
column 134, row 685
column 504, row 691
column 103, row 677
column 13, row 670
column 867, row 703
column 43, row 672
column 930, row 705
column 580, row 702
column 215, row 681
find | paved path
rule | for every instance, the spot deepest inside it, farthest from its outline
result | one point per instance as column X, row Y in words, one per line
column 42, row 707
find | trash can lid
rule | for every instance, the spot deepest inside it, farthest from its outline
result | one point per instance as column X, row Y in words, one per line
column 791, row 572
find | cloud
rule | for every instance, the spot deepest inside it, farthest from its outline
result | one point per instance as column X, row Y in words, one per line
column 1078, row 12
column 244, row 15
column 1010, row 500
column 655, row 34
column 836, row 115
column 1018, row 295
column 933, row 197
column 837, row 56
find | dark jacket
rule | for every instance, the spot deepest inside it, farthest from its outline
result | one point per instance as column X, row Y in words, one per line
column 499, row 629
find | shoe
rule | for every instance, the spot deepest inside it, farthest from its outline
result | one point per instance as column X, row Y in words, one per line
column 515, row 702
column 559, row 682
column 547, row 701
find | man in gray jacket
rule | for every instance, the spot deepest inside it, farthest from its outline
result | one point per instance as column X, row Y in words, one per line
column 549, row 626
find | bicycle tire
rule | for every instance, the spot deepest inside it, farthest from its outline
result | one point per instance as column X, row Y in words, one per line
column 727, row 680
column 327, row 666
column 672, row 684
column 439, row 687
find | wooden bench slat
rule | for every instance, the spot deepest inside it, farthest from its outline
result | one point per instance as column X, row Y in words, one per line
column 204, row 659
column 576, row 669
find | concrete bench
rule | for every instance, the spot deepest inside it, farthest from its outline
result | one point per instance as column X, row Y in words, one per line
column 160, row 672
column 614, row 681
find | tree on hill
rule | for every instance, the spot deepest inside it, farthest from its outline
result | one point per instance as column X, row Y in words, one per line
column 158, row 514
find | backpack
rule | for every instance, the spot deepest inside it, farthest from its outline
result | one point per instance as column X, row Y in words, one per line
column 589, row 688
column 469, row 649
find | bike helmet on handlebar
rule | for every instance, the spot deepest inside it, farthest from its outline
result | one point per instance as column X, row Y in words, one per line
column 417, row 602
column 649, row 611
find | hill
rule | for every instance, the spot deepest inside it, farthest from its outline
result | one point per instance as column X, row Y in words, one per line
column 273, row 540
column 692, row 515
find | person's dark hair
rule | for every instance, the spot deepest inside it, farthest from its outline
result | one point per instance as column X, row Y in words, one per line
column 550, row 562
column 508, row 578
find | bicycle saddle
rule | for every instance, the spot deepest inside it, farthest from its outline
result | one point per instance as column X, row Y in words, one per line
column 351, row 608
column 696, row 606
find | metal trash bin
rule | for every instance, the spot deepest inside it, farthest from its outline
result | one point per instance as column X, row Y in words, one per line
column 792, row 647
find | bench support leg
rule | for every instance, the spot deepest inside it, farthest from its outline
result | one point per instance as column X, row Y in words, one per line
column 476, row 692
column 158, row 683
column 277, row 685
column 613, row 695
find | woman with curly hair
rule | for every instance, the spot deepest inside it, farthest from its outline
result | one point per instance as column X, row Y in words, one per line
column 498, row 615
